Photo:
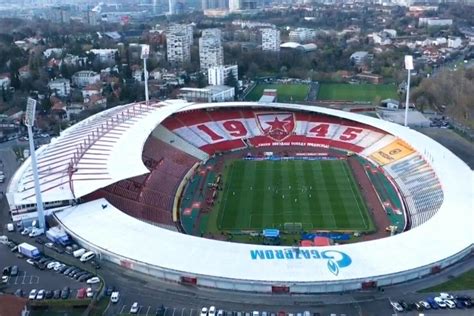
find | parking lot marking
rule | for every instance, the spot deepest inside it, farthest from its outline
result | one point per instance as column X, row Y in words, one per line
column 174, row 310
column 34, row 279
column 24, row 276
column 148, row 310
column 182, row 311
column 191, row 312
column 123, row 307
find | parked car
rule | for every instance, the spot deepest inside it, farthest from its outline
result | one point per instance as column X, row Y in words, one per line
column 450, row 303
column 397, row 306
column 81, row 293
column 404, row 305
column 57, row 294
column 48, row 295
column 109, row 290
column 203, row 311
column 58, row 249
column 212, row 311
column 432, row 303
column 49, row 245
column 89, row 292
column 65, row 293
column 5, row 279
column 59, row 266
column 134, row 308
column 26, row 231
column 30, row 261
column 114, row 297
column 19, row 293
column 14, row 271
column 84, row 277
column 446, row 296
column 32, row 294
column 93, row 280
column 441, row 303
column 40, row 295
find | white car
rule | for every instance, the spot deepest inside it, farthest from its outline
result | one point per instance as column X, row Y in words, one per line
column 134, row 308
column 204, row 311
column 32, row 294
column 52, row 265
column 93, row 280
column 438, row 300
column 40, row 295
column 30, row 261
column 89, row 292
column 396, row 306
column 26, row 231
column 58, row 266
column 425, row 304
column 5, row 279
column 114, row 298
column 212, row 311
column 446, row 296
column 49, row 244
column 450, row 303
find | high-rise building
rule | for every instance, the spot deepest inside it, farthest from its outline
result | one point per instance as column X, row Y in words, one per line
column 270, row 39
column 213, row 4
column 61, row 14
column 219, row 75
column 179, row 39
column 234, row 5
column 211, row 52
column 301, row 35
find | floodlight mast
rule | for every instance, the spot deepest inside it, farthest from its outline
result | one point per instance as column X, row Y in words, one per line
column 29, row 122
column 409, row 67
column 144, row 55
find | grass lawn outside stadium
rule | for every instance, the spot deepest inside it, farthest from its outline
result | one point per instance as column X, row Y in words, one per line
column 356, row 92
column 320, row 194
column 286, row 92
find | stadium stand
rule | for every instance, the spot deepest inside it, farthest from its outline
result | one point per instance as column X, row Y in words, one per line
column 224, row 130
column 150, row 197
column 419, row 185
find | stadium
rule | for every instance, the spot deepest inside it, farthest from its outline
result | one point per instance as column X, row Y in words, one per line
column 182, row 191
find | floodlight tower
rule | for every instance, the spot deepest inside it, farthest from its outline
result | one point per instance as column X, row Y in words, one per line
column 144, row 55
column 409, row 67
column 29, row 122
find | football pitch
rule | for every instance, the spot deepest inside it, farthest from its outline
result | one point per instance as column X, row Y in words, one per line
column 285, row 92
column 356, row 92
column 319, row 194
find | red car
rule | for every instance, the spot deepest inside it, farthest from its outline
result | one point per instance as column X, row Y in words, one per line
column 81, row 293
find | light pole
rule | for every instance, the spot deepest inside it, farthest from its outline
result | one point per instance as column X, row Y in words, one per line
column 144, row 55
column 409, row 68
column 29, row 122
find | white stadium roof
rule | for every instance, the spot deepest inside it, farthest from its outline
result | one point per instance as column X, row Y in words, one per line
column 91, row 154
column 448, row 233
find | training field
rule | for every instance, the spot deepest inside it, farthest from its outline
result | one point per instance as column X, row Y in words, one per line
column 285, row 92
column 356, row 92
column 320, row 194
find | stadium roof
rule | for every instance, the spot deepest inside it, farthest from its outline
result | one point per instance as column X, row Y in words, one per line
column 446, row 234
column 91, row 154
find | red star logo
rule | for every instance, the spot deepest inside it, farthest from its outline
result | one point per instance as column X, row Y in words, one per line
column 278, row 125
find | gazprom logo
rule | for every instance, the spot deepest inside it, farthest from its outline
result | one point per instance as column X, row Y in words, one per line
column 335, row 259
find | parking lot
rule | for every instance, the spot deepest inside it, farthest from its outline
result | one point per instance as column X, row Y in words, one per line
column 30, row 277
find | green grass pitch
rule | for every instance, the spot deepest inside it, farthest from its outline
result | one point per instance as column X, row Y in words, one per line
column 285, row 92
column 320, row 194
column 356, row 92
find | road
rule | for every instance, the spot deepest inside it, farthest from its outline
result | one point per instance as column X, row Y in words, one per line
column 184, row 300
